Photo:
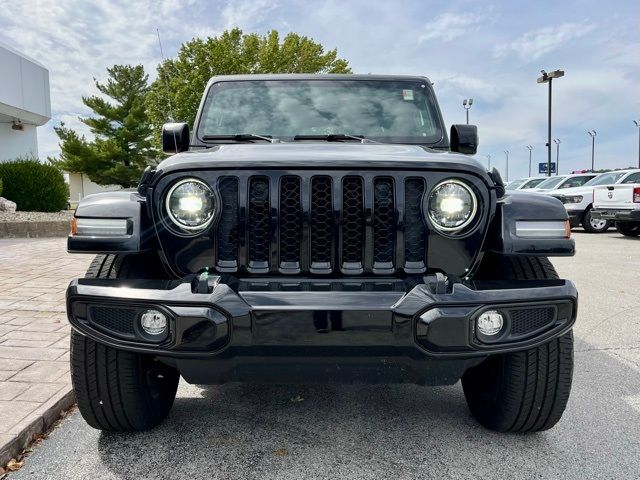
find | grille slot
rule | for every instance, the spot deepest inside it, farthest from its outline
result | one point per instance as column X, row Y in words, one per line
column 321, row 223
column 259, row 224
column 290, row 223
column 530, row 320
column 384, row 223
column 415, row 234
column 228, row 226
column 114, row 319
column 352, row 224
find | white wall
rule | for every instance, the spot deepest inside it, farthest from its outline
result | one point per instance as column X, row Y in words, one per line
column 24, row 88
column 80, row 186
column 25, row 99
column 15, row 143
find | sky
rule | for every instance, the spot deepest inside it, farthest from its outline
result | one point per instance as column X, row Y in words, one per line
column 489, row 51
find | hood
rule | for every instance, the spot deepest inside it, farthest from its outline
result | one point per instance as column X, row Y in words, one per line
column 321, row 155
column 571, row 191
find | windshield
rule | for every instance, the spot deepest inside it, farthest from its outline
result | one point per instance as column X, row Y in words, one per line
column 516, row 183
column 534, row 182
column 575, row 181
column 549, row 183
column 606, row 179
column 397, row 111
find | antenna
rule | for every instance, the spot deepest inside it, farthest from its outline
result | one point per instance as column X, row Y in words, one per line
column 166, row 86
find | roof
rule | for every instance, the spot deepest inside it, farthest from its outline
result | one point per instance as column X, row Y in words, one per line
column 315, row 76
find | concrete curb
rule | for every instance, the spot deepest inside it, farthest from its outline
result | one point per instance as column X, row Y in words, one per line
column 56, row 228
column 46, row 417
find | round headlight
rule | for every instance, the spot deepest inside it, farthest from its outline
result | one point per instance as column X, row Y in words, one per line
column 452, row 205
column 191, row 204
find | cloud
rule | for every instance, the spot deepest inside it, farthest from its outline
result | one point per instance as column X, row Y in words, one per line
column 449, row 26
column 536, row 43
column 246, row 13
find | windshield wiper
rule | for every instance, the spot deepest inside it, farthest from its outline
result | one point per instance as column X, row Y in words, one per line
column 335, row 137
column 242, row 137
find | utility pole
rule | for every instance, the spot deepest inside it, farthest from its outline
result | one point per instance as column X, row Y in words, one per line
column 530, row 148
column 593, row 148
column 506, row 152
column 488, row 162
column 466, row 104
column 638, row 125
column 557, row 142
column 547, row 78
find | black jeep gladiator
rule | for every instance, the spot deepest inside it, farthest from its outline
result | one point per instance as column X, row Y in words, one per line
column 321, row 228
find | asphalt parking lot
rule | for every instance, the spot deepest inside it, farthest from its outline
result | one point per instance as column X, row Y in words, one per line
column 403, row 431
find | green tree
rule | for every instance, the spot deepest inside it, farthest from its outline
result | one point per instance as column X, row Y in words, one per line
column 122, row 147
column 180, row 83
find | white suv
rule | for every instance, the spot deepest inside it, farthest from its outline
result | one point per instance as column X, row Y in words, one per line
column 563, row 181
column 579, row 200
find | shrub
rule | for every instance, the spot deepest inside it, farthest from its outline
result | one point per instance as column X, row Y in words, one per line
column 34, row 186
column 0, row 187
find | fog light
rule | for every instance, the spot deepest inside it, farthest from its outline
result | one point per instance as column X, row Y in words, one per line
column 490, row 323
column 153, row 322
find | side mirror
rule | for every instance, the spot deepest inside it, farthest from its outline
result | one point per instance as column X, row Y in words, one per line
column 175, row 137
column 464, row 139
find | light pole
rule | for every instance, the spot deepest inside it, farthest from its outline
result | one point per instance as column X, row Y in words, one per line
column 466, row 104
column 547, row 78
column 557, row 142
column 593, row 147
column 506, row 152
column 530, row 148
column 638, row 125
column 488, row 162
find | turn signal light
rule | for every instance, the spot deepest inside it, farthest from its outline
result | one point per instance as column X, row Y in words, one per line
column 636, row 195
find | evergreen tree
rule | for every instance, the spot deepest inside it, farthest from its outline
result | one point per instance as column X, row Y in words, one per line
column 122, row 147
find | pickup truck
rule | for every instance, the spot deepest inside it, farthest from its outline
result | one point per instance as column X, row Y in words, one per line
column 621, row 204
column 579, row 200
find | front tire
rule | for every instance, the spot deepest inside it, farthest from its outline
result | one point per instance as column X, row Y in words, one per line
column 524, row 391
column 628, row 229
column 594, row 225
column 118, row 390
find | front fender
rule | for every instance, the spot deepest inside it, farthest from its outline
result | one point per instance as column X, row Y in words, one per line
column 128, row 206
column 506, row 236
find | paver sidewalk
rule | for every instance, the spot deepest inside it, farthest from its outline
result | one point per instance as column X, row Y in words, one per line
column 34, row 337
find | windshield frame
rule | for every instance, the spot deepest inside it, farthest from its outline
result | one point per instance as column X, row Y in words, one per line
column 442, row 142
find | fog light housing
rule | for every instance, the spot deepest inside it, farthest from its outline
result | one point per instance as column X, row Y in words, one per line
column 153, row 322
column 490, row 323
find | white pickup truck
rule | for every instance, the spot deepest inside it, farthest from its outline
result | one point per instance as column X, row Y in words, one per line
column 621, row 204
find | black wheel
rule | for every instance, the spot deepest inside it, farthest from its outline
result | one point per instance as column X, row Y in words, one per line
column 523, row 391
column 594, row 225
column 628, row 229
column 118, row 390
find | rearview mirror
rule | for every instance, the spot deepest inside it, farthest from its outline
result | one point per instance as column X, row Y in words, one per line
column 175, row 137
column 464, row 139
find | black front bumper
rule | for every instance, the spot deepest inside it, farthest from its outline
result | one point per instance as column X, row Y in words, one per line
column 575, row 217
column 616, row 215
column 362, row 330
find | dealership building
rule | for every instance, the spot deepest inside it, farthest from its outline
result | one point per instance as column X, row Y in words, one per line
column 25, row 103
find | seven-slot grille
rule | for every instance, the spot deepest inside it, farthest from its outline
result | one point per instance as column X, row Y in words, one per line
column 322, row 224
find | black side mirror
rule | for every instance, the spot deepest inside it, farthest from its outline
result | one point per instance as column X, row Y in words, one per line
column 175, row 137
column 464, row 139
